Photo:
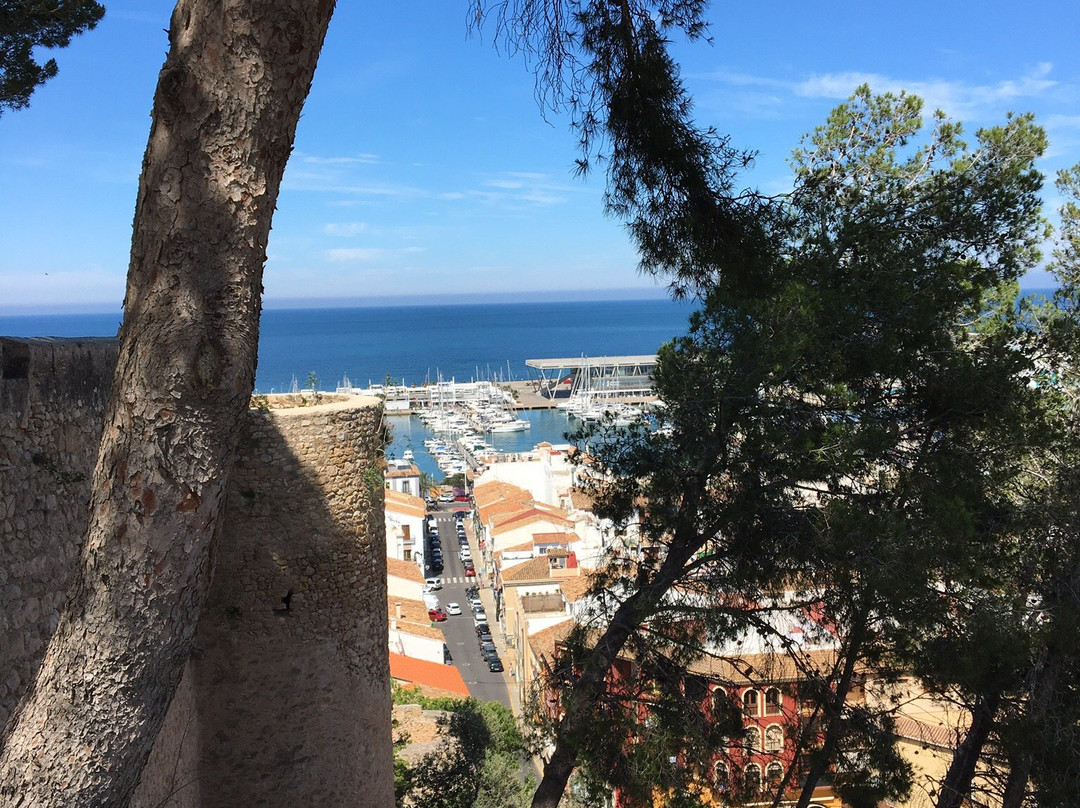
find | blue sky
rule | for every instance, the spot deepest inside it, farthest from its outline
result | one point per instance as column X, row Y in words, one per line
column 423, row 167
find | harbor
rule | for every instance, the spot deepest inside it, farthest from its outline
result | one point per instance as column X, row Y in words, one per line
column 452, row 427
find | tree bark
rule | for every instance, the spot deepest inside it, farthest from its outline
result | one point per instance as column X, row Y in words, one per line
column 833, row 708
column 956, row 786
column 228, row 99
column 590, row 685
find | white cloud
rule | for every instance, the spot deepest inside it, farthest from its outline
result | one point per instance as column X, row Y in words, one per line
column 347, row 229
column 365, row 255
column 954, row 97
column 763, row 96
column 363, row 159
column 1062, row 121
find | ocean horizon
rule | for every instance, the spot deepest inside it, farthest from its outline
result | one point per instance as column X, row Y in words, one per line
column 417, row 344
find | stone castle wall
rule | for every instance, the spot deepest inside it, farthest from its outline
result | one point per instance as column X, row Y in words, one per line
column 285, row 699
column 52, row 396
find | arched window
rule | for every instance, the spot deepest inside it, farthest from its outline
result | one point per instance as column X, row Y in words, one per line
column 753, row 778
column 750, row 702
column 774, row 773
column 753, row 739
column 721, row 703
column 774, row 738
column 772, row 701
column 720, row 774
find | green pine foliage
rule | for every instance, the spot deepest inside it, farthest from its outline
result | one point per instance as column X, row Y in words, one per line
column 851, row 427
column 29, row 24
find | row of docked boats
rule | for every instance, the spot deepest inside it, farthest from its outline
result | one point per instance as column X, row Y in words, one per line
column 592, row 409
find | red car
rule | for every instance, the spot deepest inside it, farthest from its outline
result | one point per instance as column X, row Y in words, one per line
column 436, row 615
column 470, row 572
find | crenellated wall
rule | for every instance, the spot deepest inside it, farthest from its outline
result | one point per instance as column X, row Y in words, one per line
column 285, row 699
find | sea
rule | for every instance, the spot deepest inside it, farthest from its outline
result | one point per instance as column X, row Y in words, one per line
column 423, row 344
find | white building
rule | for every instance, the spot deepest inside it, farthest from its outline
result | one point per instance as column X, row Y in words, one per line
column 404, row 526
column 403, row 477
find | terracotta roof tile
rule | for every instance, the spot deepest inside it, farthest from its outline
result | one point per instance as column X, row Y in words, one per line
column 938, row 735
column 574, row 589
column 404, row 503
column 517, row 548
column 414, row 618
column 427, row 674
column 488, row 492
column 404, row 569
column 543, row 642
column 581, row 500
column 555, row 538
column 532, row 570
column 758, row 669
column 530, row 516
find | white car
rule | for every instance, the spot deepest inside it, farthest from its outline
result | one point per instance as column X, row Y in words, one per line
column 453, row 608
column 479, row 616
column 432, row 584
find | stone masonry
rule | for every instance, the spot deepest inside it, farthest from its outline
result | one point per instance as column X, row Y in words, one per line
column 285, row 700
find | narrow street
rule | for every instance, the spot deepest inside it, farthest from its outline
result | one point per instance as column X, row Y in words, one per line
column 459, row 630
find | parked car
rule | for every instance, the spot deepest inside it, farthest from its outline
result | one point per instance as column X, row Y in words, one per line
column 446, row 497
column 470, row 571
column 479, row 617
column 488, row 650
column 484, row 637
column 433, row 584
column 453, row 608
column 438, row 615
column 482, row 628
column 495, row 665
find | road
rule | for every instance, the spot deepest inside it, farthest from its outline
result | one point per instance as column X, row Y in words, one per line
column 459, row 630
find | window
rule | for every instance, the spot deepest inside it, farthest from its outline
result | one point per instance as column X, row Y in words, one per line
column 753, row 739
column 721, row 704
column 772, row 701
column 720, row 774
column 750, row 702
column 753, row 778
column 774, row 773
column 774, row 738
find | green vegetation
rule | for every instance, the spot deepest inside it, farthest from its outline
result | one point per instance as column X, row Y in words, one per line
column 851, row 425
column 479, row 765
column 27, row 25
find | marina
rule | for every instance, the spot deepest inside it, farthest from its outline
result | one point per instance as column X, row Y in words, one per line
column 464, row 426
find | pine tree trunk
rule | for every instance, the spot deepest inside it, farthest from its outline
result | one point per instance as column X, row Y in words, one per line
column 225, row 111
column 956, row 786
column 590, row 686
